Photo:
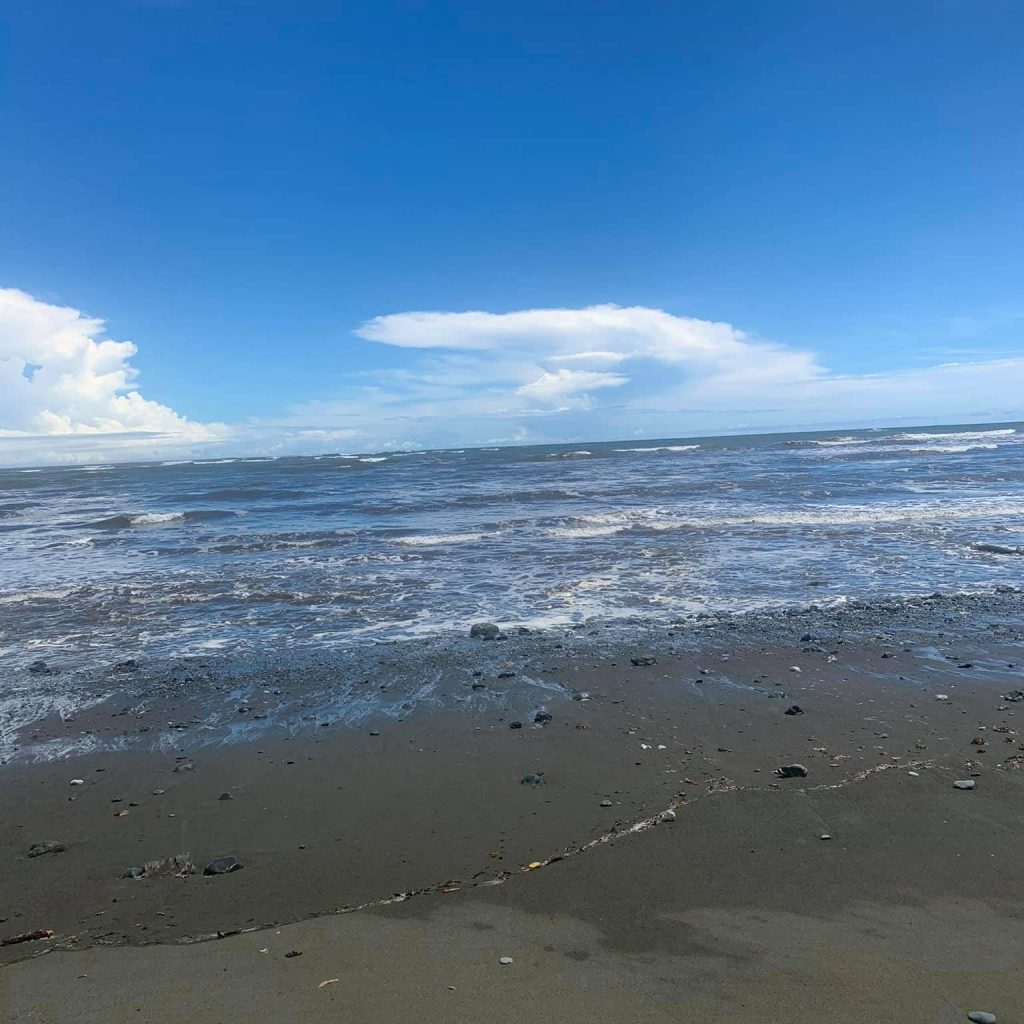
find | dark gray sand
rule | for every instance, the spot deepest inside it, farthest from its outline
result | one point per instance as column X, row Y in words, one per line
column 402, row 866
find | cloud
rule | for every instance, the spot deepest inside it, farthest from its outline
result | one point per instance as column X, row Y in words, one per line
column 569, row 384
column 68, row 393
column 62, row 380
column 606, row 332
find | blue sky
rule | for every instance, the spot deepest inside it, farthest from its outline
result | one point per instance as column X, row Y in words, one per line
column 806, row 211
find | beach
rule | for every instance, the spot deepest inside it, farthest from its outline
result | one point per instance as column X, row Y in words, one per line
column 652, row 866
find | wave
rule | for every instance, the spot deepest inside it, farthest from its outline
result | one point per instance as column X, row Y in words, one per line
column 957, row 435
column 662, row 448
column 656, row 519
column 427, row 540
column 128, row 520
column 373, row 458
column 953, row 449
column 581, row 454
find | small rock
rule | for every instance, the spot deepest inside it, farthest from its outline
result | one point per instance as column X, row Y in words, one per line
column 374, row 732
column 942, row 696
column 964, row 784
column 794, row 710
column 479, row 686
column 135, row 872
column 791, row 771
column 532, row 780
column 292, row 953
column 541, row 717
column 506, row 675
column 39, row 668
column 1014, row 696
column 515, row 725
column 505, row 960
column 77, row 782
column 222, row 866
column 795, row 668
column 484, row 631
column 643, row 662
column 581, row 695
column 606, row 803
column 824, row 835
column 187, row 766
column 226, row 796
column 38, row 849
column 668, row 815
column 981, row 1017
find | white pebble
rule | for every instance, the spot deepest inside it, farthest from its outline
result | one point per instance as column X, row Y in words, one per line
column 78, row 782
column 668, row 815
column 795, row 668
column 942, row 696
column 506, row 960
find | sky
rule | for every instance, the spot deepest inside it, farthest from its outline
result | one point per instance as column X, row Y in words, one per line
column 234, row 226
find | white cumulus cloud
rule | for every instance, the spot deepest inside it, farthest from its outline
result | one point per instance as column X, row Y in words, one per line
column 61, row 379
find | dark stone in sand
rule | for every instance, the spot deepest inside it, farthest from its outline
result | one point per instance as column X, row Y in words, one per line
column 643, row 662
column 1014, row 696
column 38, row 849
column 515, row 725
column 479, row 686
column 532, row 780
column 484, row 631
column 129, row 665
column 186, row 767
column 964, row 784
column 374, row 732
column 40, row 668
column 541, row 717
column 292, row 953
column 808, row 638
column 226, row 796
column 222, row 866
column 794, row 710
column 791, row 771
column 981, row 1017
column 505, row 675
column 177, row 866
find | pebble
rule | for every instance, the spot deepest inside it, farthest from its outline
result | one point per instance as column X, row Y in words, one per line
column 606, row 803
column 643, row 662
column 794, row 710
column 942, row 696
column 77, row 782
column 38, row 849
column 515, row 725
column 541, row 717
column 964, row 784
column 225, row 796
column 668, row 815
column 532, row 780
column 824, row 835
column 505, row 960
column 484, row 631
column 981, row 1017
column 222, row 866
column 791, row 771
column 795, row 668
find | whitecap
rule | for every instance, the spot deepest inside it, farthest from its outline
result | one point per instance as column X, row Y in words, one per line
column 443, row 538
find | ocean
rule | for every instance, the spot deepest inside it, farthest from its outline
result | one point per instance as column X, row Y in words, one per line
column 106, row 562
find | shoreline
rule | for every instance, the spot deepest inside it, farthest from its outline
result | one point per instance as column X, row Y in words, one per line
column 413, row 813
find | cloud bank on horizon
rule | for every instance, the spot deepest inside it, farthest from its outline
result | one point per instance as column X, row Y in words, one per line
column 69, row 394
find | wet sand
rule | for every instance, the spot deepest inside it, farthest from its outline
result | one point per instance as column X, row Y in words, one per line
column 400, row 863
